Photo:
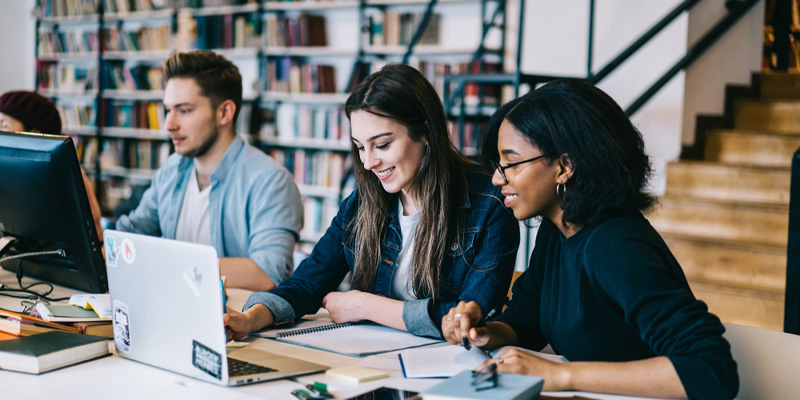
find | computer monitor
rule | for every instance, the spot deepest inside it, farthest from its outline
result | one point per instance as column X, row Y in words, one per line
column 43, row 204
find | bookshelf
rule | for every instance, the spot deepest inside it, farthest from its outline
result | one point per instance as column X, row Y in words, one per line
column 99, row 60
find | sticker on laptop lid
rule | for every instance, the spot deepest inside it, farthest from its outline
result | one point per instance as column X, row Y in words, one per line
column 206, row 360
column 112, row 252
column 193, row 280
column 122, row 327
column 128, row 251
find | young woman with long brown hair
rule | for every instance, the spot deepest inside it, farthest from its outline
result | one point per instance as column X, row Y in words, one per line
column 424, row 230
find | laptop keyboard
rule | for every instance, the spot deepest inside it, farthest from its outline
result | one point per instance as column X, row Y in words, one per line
column 241, row 368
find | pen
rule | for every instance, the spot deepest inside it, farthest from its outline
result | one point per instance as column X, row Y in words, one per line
column 490, row 314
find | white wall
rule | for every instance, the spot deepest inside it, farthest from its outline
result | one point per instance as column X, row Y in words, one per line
column 17, row 29
column 730, row 61
column 556, row 42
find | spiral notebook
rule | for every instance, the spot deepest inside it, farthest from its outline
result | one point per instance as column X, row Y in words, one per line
column 355, row 339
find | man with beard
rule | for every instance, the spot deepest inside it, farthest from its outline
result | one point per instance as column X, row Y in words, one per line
column 216, row 189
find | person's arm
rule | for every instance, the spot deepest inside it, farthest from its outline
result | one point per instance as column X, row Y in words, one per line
column 356, row 305
column 275, row 218
column 632, row 267
column 487, row 277
column 302, row 293
column 144, row 218
column 244, row 273
column 652, row 377
column 241, row 324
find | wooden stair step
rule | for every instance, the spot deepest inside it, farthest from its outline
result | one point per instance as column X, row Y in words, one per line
column 723, row 221
column 751, row 148
column 779, row 116
column 708, row 180
column 742, row 306
column 747, row 267
column 776, row 86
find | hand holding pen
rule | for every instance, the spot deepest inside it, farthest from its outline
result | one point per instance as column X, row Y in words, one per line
column 463, row 324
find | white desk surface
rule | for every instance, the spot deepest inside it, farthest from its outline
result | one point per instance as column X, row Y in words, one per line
column 114, row 377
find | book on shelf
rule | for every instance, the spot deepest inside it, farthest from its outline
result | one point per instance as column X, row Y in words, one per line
column 302, row 121
column 227, row 31
column 75, row 40
column 48, row 351
column 77, row 113
column 65, row 8
column 146, row 38
column 392, row 28
column 302, row 31
column 25, row 325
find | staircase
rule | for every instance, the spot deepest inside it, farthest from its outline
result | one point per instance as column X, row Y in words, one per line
column 725, row 218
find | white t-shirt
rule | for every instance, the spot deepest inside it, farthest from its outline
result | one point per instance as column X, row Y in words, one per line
column 194, row 223
column 401, row 280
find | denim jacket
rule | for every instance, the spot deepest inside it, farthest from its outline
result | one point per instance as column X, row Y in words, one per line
column 477, row 269
column 254, row 207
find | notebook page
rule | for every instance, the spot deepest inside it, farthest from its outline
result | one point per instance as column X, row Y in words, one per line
column 440, row 362
column 360, row 340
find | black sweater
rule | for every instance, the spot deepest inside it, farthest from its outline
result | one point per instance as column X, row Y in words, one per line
column 614, row 292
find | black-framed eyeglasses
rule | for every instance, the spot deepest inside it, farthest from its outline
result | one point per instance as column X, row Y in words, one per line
column 503, row 168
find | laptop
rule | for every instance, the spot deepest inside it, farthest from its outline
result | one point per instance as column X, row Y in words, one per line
column 167, row 303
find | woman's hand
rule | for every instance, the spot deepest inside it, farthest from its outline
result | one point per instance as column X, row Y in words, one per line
column 346, row 306
column 239, row 325
column 515, row 361
column 460, row 322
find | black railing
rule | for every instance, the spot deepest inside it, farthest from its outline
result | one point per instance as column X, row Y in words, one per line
column 698, row 49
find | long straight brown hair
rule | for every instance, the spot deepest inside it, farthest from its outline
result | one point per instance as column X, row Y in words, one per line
column 401, row 93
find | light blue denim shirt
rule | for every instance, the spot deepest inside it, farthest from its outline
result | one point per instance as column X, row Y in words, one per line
column 478, row 268
column 254, row 207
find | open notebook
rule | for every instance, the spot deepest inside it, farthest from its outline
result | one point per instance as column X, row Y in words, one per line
column 355, row 339
column 447, row 361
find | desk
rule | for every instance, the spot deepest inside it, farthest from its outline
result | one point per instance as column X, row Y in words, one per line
column 114, row 377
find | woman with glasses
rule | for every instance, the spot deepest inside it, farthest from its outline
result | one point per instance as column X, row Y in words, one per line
column 424, row 229
column 602, row 287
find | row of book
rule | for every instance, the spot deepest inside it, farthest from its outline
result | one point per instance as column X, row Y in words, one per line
column 293, row 121
column 132, row 114
column 322, row 169
column 391, row 28
column 474, row 94
column 229, row 31
column 73, row 8
column 318, row 216
column 77, row 113
column 66, row 77
column 127, row 6
column 293, row 75
column 468, row 136
column 304, row 30
column 138, row 77
column 146, row 38
column 113, row 154
column 72, row 41
column 65, row 8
